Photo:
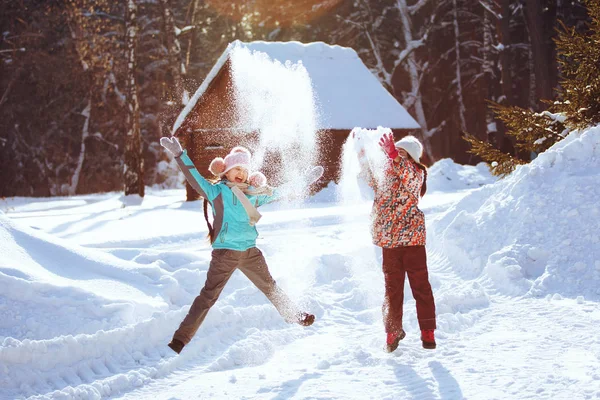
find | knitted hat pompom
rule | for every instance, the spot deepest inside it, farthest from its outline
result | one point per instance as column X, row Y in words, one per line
column 217, row 166
column 240, row 149
column 257, row 179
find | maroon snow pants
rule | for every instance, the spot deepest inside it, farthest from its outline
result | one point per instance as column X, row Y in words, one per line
column 222, row 265
column 397, row 263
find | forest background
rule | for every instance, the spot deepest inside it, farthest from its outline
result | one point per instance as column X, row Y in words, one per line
column 87, row 87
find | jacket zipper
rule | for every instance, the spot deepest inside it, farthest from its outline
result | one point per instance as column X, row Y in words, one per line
column 222, row 235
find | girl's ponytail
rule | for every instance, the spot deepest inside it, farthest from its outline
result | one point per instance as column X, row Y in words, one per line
column 211, row 230
column 424, row 169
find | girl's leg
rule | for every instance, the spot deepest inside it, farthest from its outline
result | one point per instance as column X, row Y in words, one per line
column 222, row 265
column 415, row 261
column 393, row 273
column 254, row 266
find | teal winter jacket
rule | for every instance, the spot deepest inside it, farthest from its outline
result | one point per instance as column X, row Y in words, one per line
column 232, row 229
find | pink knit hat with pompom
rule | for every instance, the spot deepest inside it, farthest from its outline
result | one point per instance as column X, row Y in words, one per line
column 238, row 157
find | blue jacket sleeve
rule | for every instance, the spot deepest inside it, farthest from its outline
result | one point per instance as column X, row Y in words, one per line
column 197, row 181
column 266, row 199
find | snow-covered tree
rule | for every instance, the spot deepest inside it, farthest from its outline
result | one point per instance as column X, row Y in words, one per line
column 94, row 54
column 386, row 38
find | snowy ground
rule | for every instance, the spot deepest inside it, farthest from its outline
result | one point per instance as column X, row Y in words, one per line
column 91, row 292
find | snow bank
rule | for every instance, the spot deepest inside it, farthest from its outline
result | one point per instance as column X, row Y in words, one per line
column 40, row 273
column 84, row 323
column 446, row 175
column 535, row 232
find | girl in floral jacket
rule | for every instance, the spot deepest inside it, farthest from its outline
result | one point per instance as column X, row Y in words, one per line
column 399, row 229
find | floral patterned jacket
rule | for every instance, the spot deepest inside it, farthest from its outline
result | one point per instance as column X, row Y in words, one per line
column 396, row 218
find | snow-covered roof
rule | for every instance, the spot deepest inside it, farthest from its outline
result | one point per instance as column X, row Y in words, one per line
column 348, row 94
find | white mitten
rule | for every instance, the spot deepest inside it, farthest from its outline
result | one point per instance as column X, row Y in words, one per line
column 257, row 179
column 312, row 174
column 171, row 144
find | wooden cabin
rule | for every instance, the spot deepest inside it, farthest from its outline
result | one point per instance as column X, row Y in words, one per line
column 346, row 93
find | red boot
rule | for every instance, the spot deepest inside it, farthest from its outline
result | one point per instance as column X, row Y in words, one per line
column 428, row 339
column 306, row 319
column 393, row 338
column 176, row 345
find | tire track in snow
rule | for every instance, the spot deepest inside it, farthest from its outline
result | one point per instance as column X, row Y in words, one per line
column 113, row 362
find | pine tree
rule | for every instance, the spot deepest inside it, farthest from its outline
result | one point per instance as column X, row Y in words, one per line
column 577, row 107
column 579, row 58
column 500, row 163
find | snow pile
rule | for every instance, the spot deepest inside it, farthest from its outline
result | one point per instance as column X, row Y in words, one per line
column 40, row 273
column 535, row 232
column 446, row 175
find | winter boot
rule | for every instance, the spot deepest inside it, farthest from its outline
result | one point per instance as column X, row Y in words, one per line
column 428, row 339
column 176, row 345
column 393, row 338
column 306, row 319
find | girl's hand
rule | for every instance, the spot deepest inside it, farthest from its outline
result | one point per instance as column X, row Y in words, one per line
column 387, row 145
column 257, row 179
column 171, row 144
column 313, row 174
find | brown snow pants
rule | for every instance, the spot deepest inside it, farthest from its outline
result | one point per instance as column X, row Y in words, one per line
column 397, row 263
column 223, row 263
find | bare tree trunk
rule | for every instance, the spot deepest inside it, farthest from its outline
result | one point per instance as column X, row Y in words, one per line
column 533, row 95
column 175, row 70
column 542, row 64
column 193, row 22
column 85, row 133
column 133, row 166
column 459, row 88
column 507, row 96
column 174, row 49
column 415, row 78
column 505, row 53
column 87, row 111
column 488, row 73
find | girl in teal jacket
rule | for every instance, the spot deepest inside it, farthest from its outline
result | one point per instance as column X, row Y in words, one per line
column 234, row 200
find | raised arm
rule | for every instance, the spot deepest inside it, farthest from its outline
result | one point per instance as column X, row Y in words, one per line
column 365, row 170
column 197, row 181
column 397, row 162
column 266, row 199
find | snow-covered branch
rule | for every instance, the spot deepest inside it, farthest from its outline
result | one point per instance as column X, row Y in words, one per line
column 490, row 8
column 415, row 8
